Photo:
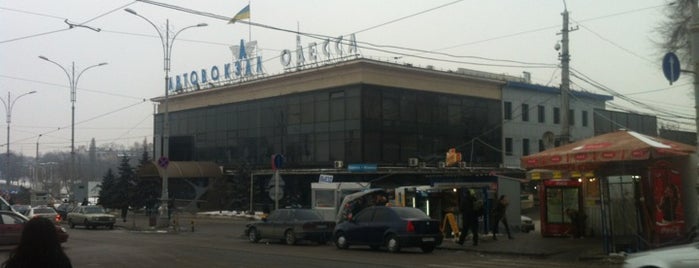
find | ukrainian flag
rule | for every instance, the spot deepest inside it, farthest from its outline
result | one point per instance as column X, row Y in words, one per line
column 242, row 14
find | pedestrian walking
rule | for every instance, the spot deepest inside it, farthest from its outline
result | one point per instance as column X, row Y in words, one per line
column 84, row 203
column 469, row 217
column 578, row 220
column 38, row 247
column 499, row 214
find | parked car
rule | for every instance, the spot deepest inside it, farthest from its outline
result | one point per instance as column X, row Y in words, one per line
column 63, row 209
column 44, row 211
column 392, row 227
column 12, row 224
column 90, row 216
column 290, row 226
column 527, row 224
column 686, row 255
column 22, row 209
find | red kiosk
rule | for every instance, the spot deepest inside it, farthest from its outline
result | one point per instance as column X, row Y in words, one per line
column 555, row 197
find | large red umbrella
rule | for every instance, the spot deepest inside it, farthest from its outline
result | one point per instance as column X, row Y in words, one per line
column 622, row 145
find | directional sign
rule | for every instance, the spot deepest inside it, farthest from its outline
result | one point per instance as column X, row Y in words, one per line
column 277, row 161
column 671, row 67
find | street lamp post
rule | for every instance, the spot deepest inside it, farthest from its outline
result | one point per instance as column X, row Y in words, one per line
column 73, row 82
column 36, row 164
column 8, row 118
column 166, row 42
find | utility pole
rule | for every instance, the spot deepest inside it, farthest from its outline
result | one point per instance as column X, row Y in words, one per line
column 565, row 79
column 694, row 40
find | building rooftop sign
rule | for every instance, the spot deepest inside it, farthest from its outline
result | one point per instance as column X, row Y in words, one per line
column 299, row 56
column 245, row 58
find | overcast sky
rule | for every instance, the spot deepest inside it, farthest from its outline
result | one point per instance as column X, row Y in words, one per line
column 615, row 46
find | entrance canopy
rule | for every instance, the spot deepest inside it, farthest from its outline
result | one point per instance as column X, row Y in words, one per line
column 181, row 169
column 622, row 145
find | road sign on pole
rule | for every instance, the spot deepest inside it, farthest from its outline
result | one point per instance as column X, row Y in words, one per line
column 671, row 67
column 163, row 162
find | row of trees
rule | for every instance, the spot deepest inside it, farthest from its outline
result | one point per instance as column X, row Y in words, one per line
column 124, row 189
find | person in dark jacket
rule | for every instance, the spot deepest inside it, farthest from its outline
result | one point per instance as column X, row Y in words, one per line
column 38, row 247
column 498, row 215
column 469, row 218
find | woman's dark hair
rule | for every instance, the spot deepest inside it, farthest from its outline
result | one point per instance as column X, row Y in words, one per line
column 38, row 247
column 502, row 197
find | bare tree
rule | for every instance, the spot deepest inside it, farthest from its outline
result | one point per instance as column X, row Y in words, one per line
column 674, row 30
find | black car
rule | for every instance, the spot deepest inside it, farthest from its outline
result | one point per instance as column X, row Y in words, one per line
column 290, row 226
column 393, row 227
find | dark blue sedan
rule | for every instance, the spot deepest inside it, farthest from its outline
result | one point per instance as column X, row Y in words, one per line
column 290, row 226
column 392, row 227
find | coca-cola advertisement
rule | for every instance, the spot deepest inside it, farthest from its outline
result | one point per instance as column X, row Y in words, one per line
column 669, row 213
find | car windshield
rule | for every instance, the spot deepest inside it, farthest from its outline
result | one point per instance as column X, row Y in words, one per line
column 411, row 213
column 94, row 210
column 303, row 214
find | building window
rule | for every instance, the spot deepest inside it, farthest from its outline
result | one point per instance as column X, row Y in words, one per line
column 556, row 115
column 541, row 146
column 525, row 112
column 584, row 118
column 508, row 110
column 541, row 113
column 508, row 146
column 571, row 117
column 525, row 147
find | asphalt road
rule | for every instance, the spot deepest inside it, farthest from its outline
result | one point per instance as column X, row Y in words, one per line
column 217, row 243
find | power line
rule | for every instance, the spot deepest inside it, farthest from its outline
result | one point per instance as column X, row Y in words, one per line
column 408, row 16
column 81, row 89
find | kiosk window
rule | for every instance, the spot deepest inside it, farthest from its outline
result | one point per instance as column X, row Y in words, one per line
column 324, row 199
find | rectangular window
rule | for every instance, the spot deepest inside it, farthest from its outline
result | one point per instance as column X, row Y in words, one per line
column 525, row 147
column 541, row 113
column 584, row 118
column 508, row 110
column 508, row 146
column 541, row 146
column 525, row 112
column 556, row 115
column 571, row 117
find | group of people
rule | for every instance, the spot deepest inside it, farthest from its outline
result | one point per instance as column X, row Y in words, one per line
column 472, row 208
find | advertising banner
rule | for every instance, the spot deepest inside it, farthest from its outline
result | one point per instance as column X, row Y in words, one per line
column 669, row 213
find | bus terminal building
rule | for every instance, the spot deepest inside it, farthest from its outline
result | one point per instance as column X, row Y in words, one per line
column 358, row 121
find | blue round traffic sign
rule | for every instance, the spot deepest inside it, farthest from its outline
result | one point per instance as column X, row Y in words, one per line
column 671, row 67
column 277, row 161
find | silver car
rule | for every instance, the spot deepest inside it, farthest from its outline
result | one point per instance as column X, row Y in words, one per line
column 45, row 212
column 90, row 216
column 670, row 257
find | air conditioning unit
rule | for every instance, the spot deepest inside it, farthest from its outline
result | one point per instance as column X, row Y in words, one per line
column 413, row 162
column 462, row 164
column 441, row 164
column 338, row 164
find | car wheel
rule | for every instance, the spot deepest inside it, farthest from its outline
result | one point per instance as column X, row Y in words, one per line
column 392, row 244
column 253, row 236
column 341, row 241
column 111, row 227
column 290, row 237
column 72, row 225
column 427, row 248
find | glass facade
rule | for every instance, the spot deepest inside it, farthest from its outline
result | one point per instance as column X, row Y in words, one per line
column 356, row 124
